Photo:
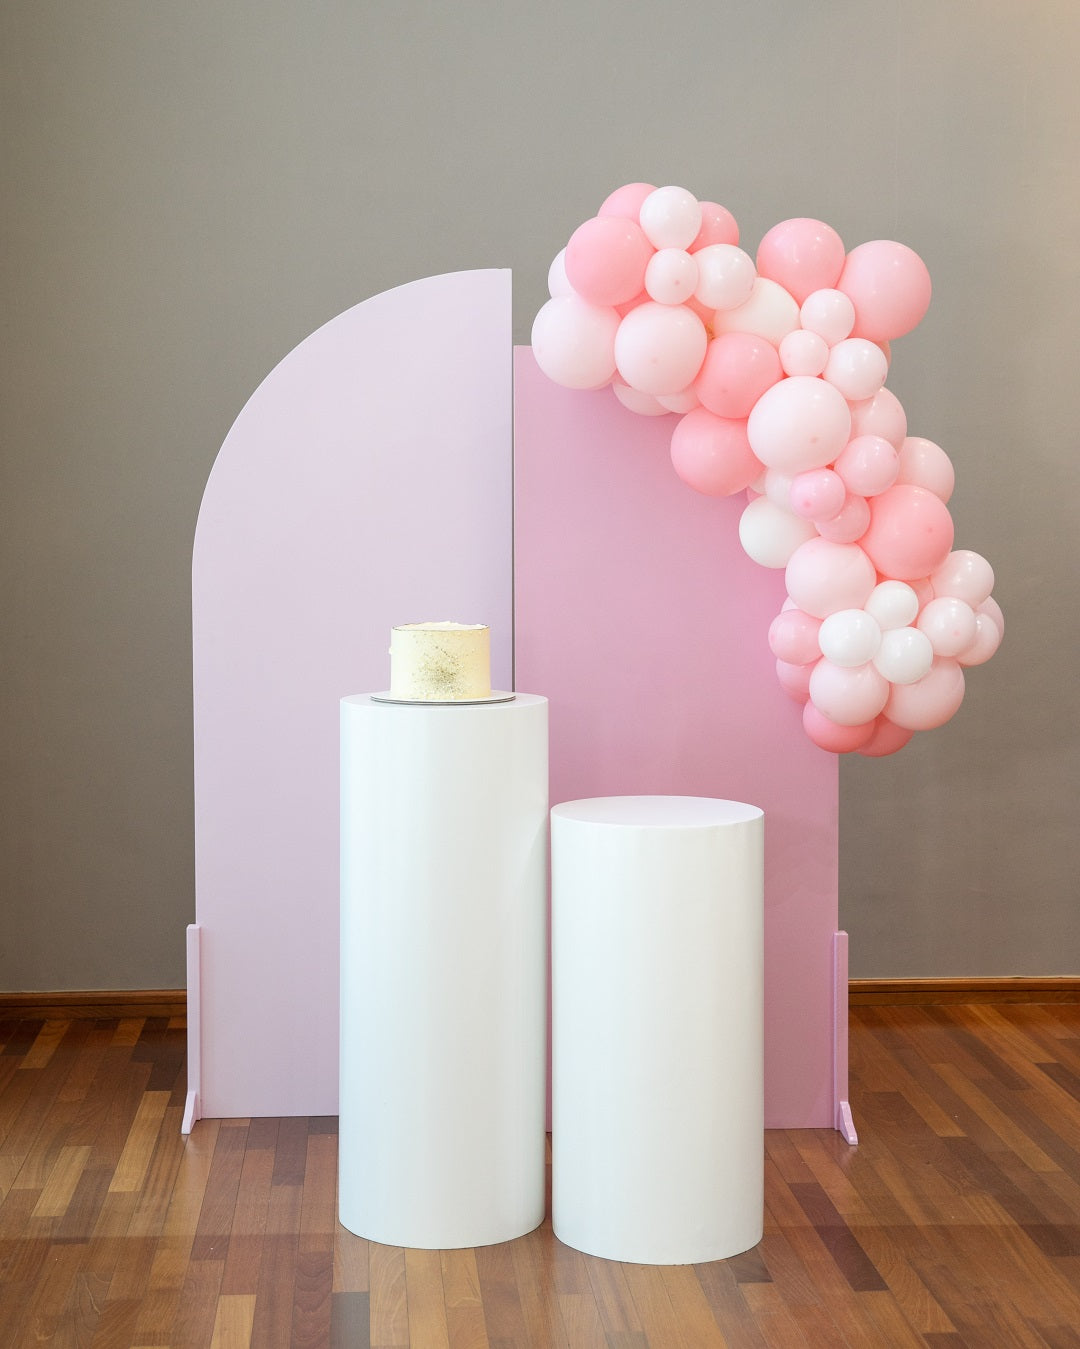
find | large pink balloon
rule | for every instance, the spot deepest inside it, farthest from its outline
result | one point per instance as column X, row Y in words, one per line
column 848, row 695
column 823, row 577
column 802, row 255
column 799, row 423
column 626, row 201
column 910, row 532
column 887, row 738
column 659, row 347
column 606, row 260
column 737, row 370
column 889, row 285
column 712, row 454
column 793, row 637
column 929, row 702
column 830, row 735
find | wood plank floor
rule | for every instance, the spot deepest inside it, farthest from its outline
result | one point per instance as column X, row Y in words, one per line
column 955, row 1222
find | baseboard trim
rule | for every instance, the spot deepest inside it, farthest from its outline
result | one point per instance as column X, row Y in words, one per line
column 94, row 1004
column 931, row 992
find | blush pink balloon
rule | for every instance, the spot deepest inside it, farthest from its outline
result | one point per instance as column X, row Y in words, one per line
column 794, row 680
column 848, row 695
column 626, row 201
column 802, row 255
column 966, row 576
column 950, row 625
column 924, row 464
column 793, row 637
column 910, row 532
column 817, row 494
column 831, row 736
column 889, row 285
column 799, row 423
column 737, row 369
column 883, row 415
column 931, row 701
column 712, row 454
column 659, row 348
column 887, row 738
column 990, row 606
column 823, row 577
column 606, row 260
column 868, row 465
column 718, row 226
column 987, row 640
column 849, row 525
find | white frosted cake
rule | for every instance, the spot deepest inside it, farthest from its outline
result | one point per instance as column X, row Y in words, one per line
column 440, row 662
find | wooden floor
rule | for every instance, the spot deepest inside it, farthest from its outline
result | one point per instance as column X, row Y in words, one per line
column 955, row 1222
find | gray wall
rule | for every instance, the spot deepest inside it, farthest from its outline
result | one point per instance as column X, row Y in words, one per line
column 190, row 189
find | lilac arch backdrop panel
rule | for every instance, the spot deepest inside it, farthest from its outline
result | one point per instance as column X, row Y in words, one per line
column 639, row 616
column 365, row 483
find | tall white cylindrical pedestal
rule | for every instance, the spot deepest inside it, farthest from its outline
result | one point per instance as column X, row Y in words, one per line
column 657, row 1001
column 443, row 970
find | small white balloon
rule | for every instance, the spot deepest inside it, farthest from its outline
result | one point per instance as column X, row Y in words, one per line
column 777, row 487
column 726, row 276
column 770, row 535
column 671, row 217
column 671, row 276
column 557, row 279
column 904, row 656
column 893, row 604
column 644, row 404
column 803, row 353
column 574, row 342
column 965, row 575
column 849, row 637
column 686, row 401
column 829, row 313
column 987, row 640
column 857, row 368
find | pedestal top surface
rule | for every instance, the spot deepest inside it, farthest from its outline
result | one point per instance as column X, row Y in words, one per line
column 658, row 812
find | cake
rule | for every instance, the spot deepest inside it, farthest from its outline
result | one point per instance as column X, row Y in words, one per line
column 440, row 662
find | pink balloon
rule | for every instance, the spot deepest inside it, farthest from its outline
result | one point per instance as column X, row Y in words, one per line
column 889, row 286
column 799, row 423
column 848, row 695
column 868, row 465
column 793, row 637
column 803, row 353
column 857, row 368
column 574, row 342
column 737, row 370
column 718, row 226
column 929, row 702
column 817, row 494
column 883, row 415
column 794, row 680
column 910, row 532
column 659, row 348
column 828, row 313
column 966, row 576
column 887, row 738
column 802, row 256
column 850, row 524
column 823, row 577
column 626, row 201
column 924, row 464
column 829, row 735
column 606, row 260
column 712, row 454
column 990, row 606
column 987, row 640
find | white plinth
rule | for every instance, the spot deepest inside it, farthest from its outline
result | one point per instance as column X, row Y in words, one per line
column 657, row 975
column 443, row 970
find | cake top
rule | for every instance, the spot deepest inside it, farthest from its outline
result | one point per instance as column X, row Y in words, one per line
column 444, row 626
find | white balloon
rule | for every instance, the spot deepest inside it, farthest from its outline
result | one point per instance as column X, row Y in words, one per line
column 830, row 313
column 686, row 401
column 558, row 284
column 726, row 276
column 670, row 217
column 770, row 312
column 574, row 342
column 644, row 404
column 987, row 640
column 849, row 637
column 671, row 276
column 777, row 487
column 769, row 535
column 904, row 656
column 893, row 604
column 966, row 575
column 857, row 368
column 803, row 353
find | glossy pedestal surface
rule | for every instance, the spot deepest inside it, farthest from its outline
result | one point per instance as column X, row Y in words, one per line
column 657, row 972
column 443, row 964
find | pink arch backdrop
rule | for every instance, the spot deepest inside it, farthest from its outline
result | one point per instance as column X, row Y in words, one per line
column 365, row 484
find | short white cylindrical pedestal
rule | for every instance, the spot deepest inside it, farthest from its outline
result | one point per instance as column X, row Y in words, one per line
column 443, row 971
column 657, row 974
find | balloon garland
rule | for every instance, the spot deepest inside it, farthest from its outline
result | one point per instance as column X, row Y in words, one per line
column 777, row 369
